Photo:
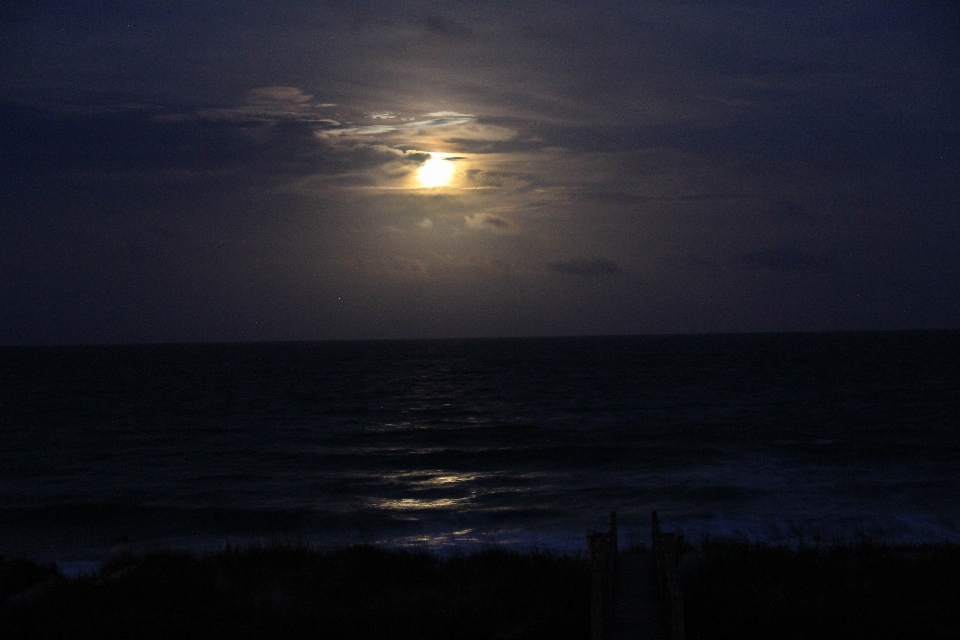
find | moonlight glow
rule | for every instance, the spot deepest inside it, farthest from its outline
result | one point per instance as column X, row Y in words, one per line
column 435, row 172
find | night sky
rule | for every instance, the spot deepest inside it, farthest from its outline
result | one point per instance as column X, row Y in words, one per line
column 180, row 171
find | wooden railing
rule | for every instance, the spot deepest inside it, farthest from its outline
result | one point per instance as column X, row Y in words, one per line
column 667, row 549
column 666, row 552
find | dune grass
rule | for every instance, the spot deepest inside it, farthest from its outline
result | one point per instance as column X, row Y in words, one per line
column 19, row 575
column 290, row 592
column 752, row 591
column 732, row 589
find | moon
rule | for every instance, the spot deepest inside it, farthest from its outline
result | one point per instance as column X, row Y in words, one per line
column 435, row 172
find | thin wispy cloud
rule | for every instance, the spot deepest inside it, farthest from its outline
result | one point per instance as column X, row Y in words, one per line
column 586, row 267
column 784, row 259
column 491, row 222
column 430, row 123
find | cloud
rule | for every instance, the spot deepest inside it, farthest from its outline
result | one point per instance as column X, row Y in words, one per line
column 182, row 144
column 512, row 180
column 705, row 197
column 782, row 258
column 272, row 103
column 448, row 29
column 617, row 197
column 440, row 119
column 493, row 135
column 514, row 145
column 586, row 267
column 788, row 209
column 423, row 268
column 491, row 222
column 289, row 95
column 417, row 157
column 449, row 114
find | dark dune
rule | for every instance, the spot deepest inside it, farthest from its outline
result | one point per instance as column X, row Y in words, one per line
column 288, row 592
column 732, row 589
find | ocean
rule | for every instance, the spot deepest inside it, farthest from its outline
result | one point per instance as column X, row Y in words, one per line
column 451, row 445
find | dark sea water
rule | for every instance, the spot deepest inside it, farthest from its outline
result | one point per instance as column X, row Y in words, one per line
column 451, row 444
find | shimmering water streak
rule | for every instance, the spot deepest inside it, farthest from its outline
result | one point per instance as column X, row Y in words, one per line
column 446, row 443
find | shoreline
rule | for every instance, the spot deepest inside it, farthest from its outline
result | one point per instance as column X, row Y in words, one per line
column 91, row 542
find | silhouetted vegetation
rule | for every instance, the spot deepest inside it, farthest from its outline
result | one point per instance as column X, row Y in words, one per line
column 19, row 575
column 289, row 592
column 731, row 590
column 749, row 591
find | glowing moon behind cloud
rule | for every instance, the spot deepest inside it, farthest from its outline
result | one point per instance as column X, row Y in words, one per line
column 435, row 172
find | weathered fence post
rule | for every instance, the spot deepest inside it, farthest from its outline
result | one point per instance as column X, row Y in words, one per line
column 614, row 560
column 613, row 533
column 655, row 553
column 597, row 544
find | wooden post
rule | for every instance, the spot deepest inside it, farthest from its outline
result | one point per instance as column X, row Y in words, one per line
column 674, row 613
column 598, row 545
column 655, row 548
column 614, row 551
column 614, row 545
column 603, row 550
column 657, row 554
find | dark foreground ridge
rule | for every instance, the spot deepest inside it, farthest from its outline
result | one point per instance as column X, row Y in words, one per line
column 730, row 589
column 734, row 589
column 287, row 592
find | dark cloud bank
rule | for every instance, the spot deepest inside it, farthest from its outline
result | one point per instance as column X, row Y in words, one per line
column 587, row 267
